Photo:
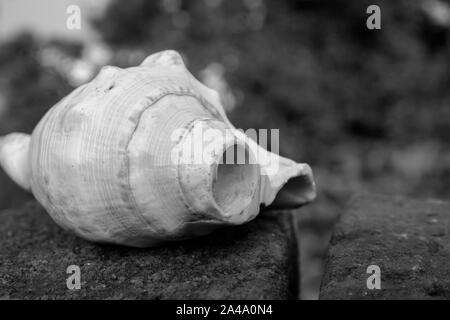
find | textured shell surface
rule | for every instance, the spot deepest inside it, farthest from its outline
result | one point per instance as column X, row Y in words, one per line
column 101, row 161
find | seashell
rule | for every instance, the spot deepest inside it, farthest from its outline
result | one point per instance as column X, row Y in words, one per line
column 112, row 161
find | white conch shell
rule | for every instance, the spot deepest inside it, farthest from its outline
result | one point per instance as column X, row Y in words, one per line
column 107, row 163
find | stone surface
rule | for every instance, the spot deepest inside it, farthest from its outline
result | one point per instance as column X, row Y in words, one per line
column 253, row 261
column 408, row 239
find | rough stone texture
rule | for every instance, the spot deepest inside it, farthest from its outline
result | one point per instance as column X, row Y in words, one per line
column 408, row 239
column 253, row 261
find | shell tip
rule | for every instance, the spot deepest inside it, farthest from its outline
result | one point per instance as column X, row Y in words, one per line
column 167, row 58
column 14, row 150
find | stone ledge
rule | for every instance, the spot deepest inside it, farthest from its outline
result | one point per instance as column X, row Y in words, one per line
column 253, row 261
column 408, row 239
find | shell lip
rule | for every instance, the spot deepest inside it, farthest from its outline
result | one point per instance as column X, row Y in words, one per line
column 297, row 191
column 235, row 183
column 225, row 183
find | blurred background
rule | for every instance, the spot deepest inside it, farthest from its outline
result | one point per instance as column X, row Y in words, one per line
column 368, row 109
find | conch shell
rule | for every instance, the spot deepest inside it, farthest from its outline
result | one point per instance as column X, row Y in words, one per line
column 108, row 162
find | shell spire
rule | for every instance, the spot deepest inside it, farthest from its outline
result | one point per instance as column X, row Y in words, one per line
column 14, row 158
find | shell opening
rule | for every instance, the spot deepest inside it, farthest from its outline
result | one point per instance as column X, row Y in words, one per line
column 297, row 192
column 235, row 181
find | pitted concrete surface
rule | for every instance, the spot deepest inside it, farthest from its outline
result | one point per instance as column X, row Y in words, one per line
column 407, row 239
column 253, row 261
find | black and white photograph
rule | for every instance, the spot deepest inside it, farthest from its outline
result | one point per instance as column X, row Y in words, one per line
column 224, row 155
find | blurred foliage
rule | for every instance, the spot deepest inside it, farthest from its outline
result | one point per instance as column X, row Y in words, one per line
column 368, row 109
